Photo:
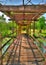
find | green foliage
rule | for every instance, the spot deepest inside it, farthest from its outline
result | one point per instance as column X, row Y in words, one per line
column 43, row 34
column 41, row 23
column 3, row 24
column 36, row 35
column 6, row 27
column 12, row 25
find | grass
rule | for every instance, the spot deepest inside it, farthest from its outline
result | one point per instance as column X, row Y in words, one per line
column 5, row 40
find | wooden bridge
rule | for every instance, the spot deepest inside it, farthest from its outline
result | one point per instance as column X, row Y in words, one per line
column 22, row 51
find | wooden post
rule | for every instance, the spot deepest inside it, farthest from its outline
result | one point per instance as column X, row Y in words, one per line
column 33, row 27
column 19, row 30
column 13, row 30
column 28, row 29
column 16, row 30
column 1, row 62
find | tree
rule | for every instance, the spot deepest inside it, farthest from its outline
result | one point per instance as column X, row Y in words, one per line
column 12, row 25
column 40, row 24
column 3, row 25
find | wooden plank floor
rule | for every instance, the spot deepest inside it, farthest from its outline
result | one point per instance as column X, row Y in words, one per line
column 23, row 52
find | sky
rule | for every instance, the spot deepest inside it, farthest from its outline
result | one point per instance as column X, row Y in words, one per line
column 20, row 2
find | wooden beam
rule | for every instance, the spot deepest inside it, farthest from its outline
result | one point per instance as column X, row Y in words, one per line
column 1, row 60
column 19, row 17
column 28, row 8
column 33, row 27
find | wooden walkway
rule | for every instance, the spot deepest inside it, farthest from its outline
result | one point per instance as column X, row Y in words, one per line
column 23, row 52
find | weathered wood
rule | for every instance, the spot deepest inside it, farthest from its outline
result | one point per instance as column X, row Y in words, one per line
column 19, row 18
column 33, row 27
column 21, row 13
column 1, row 62
column 27, row 8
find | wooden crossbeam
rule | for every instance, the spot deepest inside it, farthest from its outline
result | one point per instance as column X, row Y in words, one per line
column 19, row 17
column 28, row 8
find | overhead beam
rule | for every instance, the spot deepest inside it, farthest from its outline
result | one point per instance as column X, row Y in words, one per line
column 28, row 8
column 19, row 17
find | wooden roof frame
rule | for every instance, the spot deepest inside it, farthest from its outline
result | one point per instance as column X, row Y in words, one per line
column 39, row 9
column 26, row 8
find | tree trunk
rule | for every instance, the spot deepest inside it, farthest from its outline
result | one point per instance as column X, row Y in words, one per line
column 40, row 30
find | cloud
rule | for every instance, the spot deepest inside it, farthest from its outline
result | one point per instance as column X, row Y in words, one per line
column 5, row 16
